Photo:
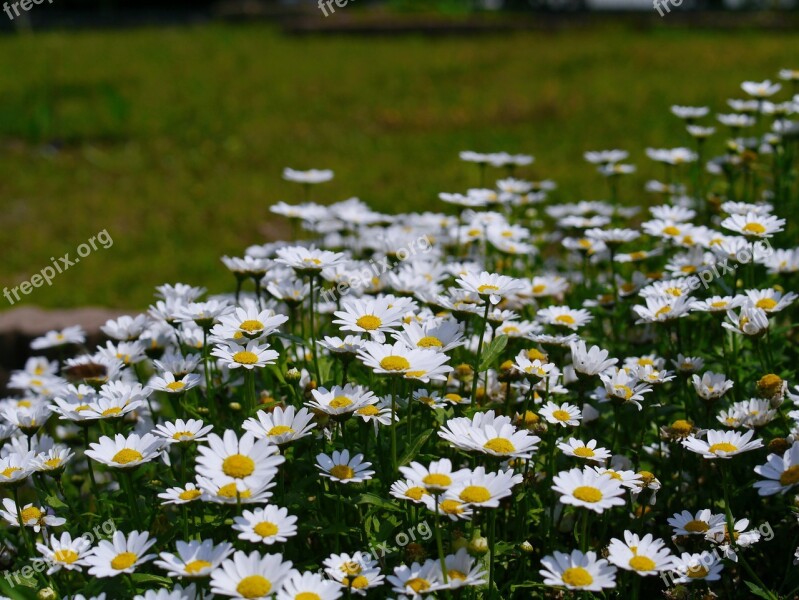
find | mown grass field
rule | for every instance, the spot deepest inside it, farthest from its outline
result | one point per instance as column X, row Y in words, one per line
column 174, row 139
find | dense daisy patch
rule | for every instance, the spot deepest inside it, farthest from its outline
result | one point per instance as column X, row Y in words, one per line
column 515, row 397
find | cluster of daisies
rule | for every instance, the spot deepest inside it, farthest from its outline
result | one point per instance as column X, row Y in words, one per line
column 580, row 397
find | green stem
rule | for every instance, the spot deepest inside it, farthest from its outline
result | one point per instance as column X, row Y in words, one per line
column 439, row 543
column 476, row 373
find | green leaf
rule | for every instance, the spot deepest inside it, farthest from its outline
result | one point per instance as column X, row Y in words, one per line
column 54, row 502
column 759, row 591
column 376, row 500
column 146, row 578
column 414, row 448
column 492, row 352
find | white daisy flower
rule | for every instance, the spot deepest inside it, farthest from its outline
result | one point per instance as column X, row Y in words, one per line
column 231, row 459
column 585, row 488
column 170, row 384
column 64, row 553
column 120, row 555
column 309, row 586
column 179, row 432
column 436, row 478
column 125, row 452
column 254, row 355
column 484, row 489
column 563, row 316
column 309, row 177
column 194, row 558
column 250, row 575
column 491, row 286
column 779, row 473
column 54, row 338
column 754, row 225
column 266, row 525
column 564, row 415
column 722, row 444
column 578, row 571
column 398, row 359
column 686, row 523
column 181, row 495
column 697, row 567
column 585, row 450
column 31, row 516
column 644, row 555
column 357, row 572
column 340, row 467
column 416, row 581
column 339, row 400
column 590, row 362
column 281, row 426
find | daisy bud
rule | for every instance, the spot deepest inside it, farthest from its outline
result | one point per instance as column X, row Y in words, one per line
column 478, row 546
column 234, row 406
column 203, row 410
column 771, row 386
column 47, row 594
column 293, row 375
column 779, row 446
column 526, row 547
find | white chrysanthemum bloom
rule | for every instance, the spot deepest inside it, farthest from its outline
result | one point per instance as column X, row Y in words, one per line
column 416, row 581
column 308, row 586
column 341, row 400
column 761, row 89
column 32, row 516
column 712, row 386
column 254, row 355
column 358, row 572
column 751, row 321
column 122, row 452
column 439, row 335
column 626, row 477
column 603, row 157
column 659, row 309
column 644, row 555
column 612, row 237
column 491, row 286
column 779, row 473
column 564, row 415
column 349, row 344
column 180, row 431
column 688, row 364
column 718, row 304
column 370, row 315
column 770, row 300
column 54, row 338
column 120, row 555
column 181, row 495
column 587, row 489
column 308, row 261
column 248, row 323
column 686, row 523
column 702, row 566
column 578, row 571
column 231, row 459
column 177, row 593
column 564, row 316
column 64, row 553
column 463, row 570
column 590, row 362
column 722, row 444
column 689, row 113
column 410, row 363
column 170, row 384
column 585, row 450
column 342, row 468
column 194, row 558
column 250, row 575
column 311, row 176
column 437, row 478
column 53, row 460
column 16, row 467
column 235, row 492
column 125, row 328
column 532, row 368
column 203, row 314
column 481, row 489
column 281, row 426
column 753, row 225
column 266, row 525
column 491, row 435
column 625, row 387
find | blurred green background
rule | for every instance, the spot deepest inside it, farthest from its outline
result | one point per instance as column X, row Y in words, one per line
column 174, row 139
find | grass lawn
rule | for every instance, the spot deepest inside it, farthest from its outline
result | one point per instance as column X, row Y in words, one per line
column 174, row 139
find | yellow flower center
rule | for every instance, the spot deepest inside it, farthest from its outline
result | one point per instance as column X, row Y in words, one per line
column 368, row 411
column 671, row 230
column 429, row 341
column 418, row 584
column 280, row 430
column 587, row 493
column 196, row 566
column 566, row 319
column 340, row 402
column 487, row 289
column 175, row 386
column 622, row 391
column 790, row 476
column 451, row 507
column 682, row 427
column 755, row 228
column 663, row 311
column 642, row 563
column 697, row 572
column 475, row 494
column 722, row 447
column 454, row 398
column 31, row 514
column 24, row 403
column 415, row 493
column 189, row 494
column 307, row 596
column 230, row 491
column 254, row 586
column 124, row 561
column 245, row 357
column 111, row 412
column 65, row 556
column 182, row 435
column 53, row 463
column 766, row 303
column 577, row 577
column 251, row 325
column 437, row 480
column 696, row 526
column 238, row 466
column 8, row 472
column 265, row 529
column 312, row 261
column 358, row 583
column 342, row 472
column 369, row 322
column 126, row 456
column 584, row 452
column 719, row 304
column 415, row 373
column 674, row 291
column 510, row 329
column 454, row 574
column 500, row 446
column 561, row 415
column 351, row 568
column 395, row 363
